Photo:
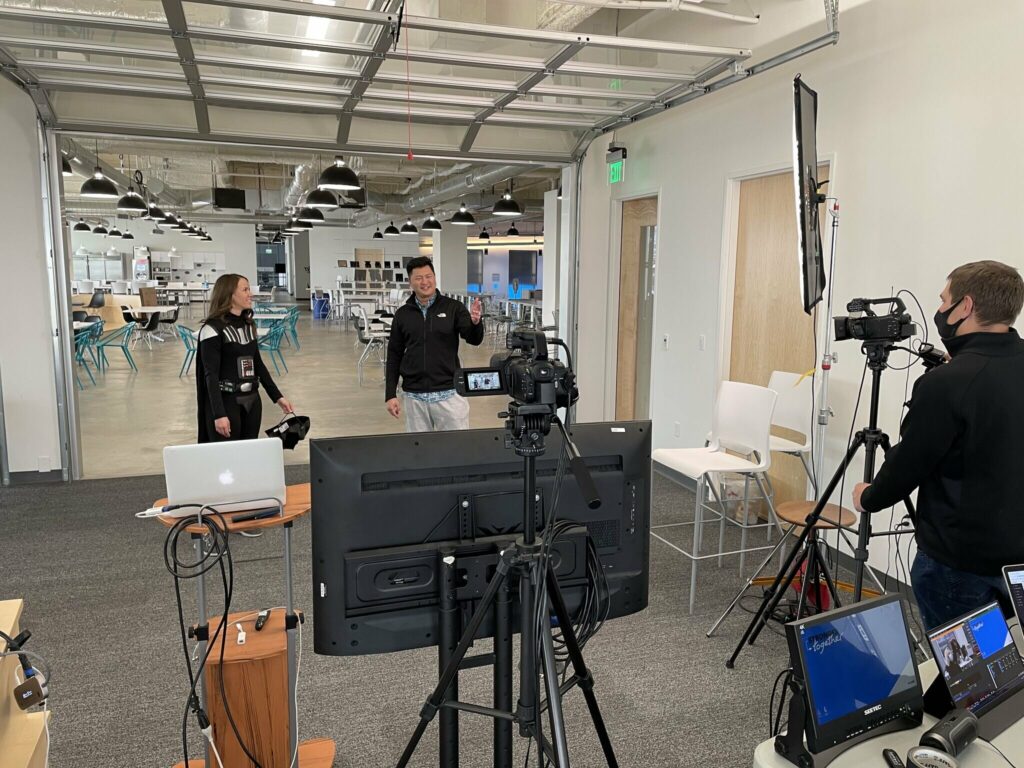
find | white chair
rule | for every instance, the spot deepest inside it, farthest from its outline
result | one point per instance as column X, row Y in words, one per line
column 86, row 286
column 741, row 424
column 373, row 335
column 337, row 305
column 793, row 411
column 119, row 287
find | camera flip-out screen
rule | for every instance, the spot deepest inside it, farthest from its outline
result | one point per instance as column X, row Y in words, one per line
column 483, row 381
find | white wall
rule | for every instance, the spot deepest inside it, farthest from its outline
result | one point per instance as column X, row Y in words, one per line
column 450, row 260
column 329, row 244
column 552, row 247
column 238, row 243
column 26, row 345
column 919, row 111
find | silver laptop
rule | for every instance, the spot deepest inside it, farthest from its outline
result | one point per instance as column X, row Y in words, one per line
column 234, row 476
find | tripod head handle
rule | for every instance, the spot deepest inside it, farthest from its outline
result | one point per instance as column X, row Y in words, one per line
column 579, row 469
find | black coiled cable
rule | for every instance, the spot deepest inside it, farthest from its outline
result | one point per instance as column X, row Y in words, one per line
column 217, row 554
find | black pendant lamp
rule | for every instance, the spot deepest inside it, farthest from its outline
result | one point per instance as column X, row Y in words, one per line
column 154, row 213
column 99, row 187
column 391, row 230
column 127, row 235
column 463, row 218
column 311, row 215
column 65, row 167
column 512, row 231
column 169, row 221
column 431, row 224
column 507, row 207
column 338, row 176
column 296, row 226
column 81, row 226
column 322, row 199
column 114, row 232
column 483, row 234
column 132, row 202
column 99, row 229
column 378, row 235
column 409, row 228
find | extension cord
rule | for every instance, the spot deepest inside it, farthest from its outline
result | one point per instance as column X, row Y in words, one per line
column 208, row 733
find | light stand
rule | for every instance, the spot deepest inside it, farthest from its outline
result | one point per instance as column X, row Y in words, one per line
column 827, row 360
column 527, row 559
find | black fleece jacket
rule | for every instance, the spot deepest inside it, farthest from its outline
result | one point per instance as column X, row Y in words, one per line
column 961, row 446
column 425, row 351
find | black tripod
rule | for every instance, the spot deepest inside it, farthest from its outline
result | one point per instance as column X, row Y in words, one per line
column 526, row 558
column 806, row 549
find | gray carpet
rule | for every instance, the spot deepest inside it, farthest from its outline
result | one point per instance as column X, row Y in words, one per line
column 101, row 609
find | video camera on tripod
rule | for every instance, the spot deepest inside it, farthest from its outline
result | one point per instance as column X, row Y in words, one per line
column 867, row 326
column 525, row 374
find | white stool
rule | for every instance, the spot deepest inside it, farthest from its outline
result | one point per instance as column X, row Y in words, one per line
column 741, row 424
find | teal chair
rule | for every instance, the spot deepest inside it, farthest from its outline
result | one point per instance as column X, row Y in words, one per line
column 188, row 338
column 85, row 342
column 117, row 338
column 293, row 318
column 272, row 343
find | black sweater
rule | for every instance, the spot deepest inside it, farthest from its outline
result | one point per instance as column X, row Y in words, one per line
column 425, row 351
column 961, row 447
column 231, row 353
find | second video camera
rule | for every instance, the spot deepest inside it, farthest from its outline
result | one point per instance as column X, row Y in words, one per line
column 867, row 326
column 525, row 374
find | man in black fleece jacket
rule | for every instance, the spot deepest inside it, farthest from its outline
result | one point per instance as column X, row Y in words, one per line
column 424, row 351
column 961, row 448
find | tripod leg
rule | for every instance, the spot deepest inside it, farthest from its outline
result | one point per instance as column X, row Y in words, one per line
column 771, row 598
column 586, row 680
column 774, row 593
column 750, row 581
column 554, row 698
column 503, row 677
column 437, row 697
column 823, row 570
column 810, row 565
column 448, row 719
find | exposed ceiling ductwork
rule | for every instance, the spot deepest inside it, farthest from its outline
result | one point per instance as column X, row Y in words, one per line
column 457, row 187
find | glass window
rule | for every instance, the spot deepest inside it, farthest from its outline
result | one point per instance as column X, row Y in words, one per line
column 474, row 271
column 522, row 273
column 160, row 41
column 50, row 60
column 271, row 54
column 147, row 10
column 279, row 24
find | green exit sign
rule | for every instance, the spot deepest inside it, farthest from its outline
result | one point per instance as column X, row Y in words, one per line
column 615, row 171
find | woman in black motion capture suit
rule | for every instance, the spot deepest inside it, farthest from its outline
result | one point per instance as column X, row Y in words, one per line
column 229, row 369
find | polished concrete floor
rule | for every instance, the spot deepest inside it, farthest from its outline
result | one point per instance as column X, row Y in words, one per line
column 127, row 418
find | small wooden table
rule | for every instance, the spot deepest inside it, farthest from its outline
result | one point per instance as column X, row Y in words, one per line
column 316, row 753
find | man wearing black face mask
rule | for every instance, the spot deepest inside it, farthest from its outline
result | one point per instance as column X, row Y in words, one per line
column 961, row 448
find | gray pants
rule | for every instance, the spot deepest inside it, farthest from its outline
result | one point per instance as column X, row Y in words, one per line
column 452, row 413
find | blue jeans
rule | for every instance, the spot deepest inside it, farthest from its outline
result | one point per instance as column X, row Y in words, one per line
column 944, row 593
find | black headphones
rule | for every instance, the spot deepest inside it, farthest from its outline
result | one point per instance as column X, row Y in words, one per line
column 34, row 689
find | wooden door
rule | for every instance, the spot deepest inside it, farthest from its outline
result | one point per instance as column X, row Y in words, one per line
column 632, row 370
column 770, row 330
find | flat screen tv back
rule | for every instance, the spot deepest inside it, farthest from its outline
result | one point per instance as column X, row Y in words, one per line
column 386, row 508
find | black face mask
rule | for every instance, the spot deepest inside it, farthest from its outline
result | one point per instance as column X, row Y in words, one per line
column 946, row 329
